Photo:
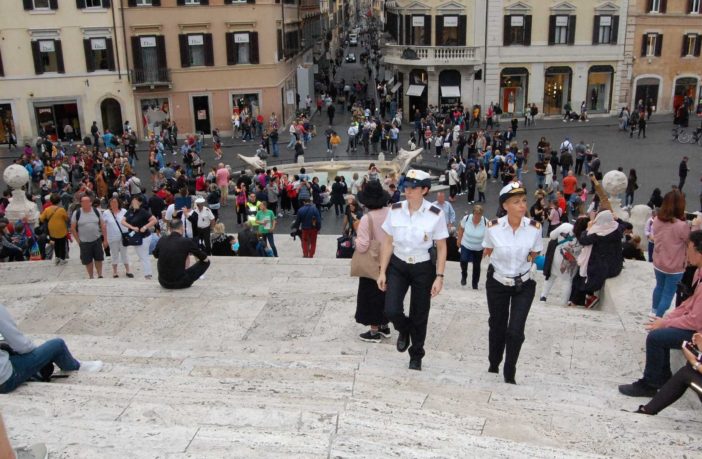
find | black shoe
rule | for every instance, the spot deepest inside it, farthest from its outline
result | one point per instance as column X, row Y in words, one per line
column 638, row 389
column 543, row 298
column 494, row 369
column 385, row 331
column 463, row 279
column 370, row 337
column 403, row 341
column 415, row 364
column 510, row 380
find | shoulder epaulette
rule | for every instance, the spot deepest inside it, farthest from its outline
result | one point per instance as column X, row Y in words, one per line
column 397, row 205
column 492, row 223
column 435, row 210
column 534, row 223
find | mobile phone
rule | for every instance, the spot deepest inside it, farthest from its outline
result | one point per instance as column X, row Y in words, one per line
column 692, row 348
column 689, row 216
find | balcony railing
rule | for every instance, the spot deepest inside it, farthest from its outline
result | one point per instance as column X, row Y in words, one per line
column 431, row 55
column 151, row 77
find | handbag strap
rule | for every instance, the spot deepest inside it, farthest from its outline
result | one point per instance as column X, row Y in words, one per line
column 370, row 224
column 119, row 228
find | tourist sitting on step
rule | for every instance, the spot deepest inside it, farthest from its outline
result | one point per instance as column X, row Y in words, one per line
column 669, row 332
column 172, row 251
column 686, row 377
column 21, row 360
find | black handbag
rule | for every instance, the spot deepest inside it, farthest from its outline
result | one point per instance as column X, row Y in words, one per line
column 132, row 238
column 344, row 247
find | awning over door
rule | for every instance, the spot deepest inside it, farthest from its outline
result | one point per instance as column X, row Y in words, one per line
column 450, row 91
column 415, row 90
column 395, row 88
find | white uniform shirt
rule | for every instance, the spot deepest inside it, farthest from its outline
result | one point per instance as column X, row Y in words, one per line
column 204, row 217
column 511, row 248
column 413, row 235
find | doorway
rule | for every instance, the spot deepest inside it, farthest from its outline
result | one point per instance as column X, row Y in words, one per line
column 53, row 118
column 556, row 89
column 201, row 110
column 111, row 116
column 647, row 92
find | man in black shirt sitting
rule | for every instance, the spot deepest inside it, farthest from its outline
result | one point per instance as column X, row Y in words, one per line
column 172, row 252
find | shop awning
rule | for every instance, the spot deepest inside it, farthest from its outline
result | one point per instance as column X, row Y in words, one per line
column 415, row 90
column 450, row 91
column 395, row 88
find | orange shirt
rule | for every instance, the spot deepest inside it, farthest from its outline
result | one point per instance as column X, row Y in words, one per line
column 570, row 183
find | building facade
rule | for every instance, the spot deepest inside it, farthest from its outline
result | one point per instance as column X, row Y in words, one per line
column 434, row 55
column 663, row 53
column 62, row 67
column 197, row 62
column 555, row 52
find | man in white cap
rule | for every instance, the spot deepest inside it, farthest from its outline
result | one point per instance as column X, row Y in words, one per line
column 203, row 220
column 512, row 242
column 413, row 227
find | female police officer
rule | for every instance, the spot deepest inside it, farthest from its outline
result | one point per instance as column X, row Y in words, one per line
column 413, row 227
column 512, row 242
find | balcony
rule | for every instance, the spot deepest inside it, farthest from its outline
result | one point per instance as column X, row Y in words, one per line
column 150, row 78
column 431, row 55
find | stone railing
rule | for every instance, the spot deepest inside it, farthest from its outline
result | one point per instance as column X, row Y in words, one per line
column 431, row 55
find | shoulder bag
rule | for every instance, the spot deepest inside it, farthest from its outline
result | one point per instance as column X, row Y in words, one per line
column 367, row 264
column 130, row 238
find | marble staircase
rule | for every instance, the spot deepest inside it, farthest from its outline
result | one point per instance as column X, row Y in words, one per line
column 261, row 359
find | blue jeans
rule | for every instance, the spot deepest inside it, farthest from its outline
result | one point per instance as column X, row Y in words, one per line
column 291, row 144
column 271, row 243
column 25, row 366
column 658, row 345
column 663, row 293
column 276, row 149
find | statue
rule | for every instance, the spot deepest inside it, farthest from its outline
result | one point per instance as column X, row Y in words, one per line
column 404, row 159
column 614, row 183
column 254, row 161
column 19, row 207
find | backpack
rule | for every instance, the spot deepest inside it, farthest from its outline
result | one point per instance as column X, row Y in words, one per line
column 97, row 214
column 292, row 192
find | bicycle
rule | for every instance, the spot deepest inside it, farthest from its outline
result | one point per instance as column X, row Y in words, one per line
column 681, row 135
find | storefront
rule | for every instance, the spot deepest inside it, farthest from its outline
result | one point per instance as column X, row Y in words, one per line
column 52, row 119
column 7, row 123
column 449, row 89
column 647, row 92
column 599, row 88
column 685, row 87
column 557, row 87
column 514, row 89
column 154, row 111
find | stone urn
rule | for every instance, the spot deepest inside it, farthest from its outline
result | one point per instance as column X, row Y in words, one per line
column 614, row 183
column 19, row 207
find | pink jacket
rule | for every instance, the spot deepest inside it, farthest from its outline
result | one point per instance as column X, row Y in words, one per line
column 687, row 316
column 363, row 231
column 670, row 245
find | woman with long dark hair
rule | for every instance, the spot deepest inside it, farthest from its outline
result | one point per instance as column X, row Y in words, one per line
column 631, row 186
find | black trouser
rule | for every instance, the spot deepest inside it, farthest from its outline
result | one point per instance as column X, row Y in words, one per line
column 192, row 274
column 60, row 245
column 508, row 314
column 400, row 277
column 471, row 193
column 674, row 389
column 202, row 237
column 579, row 166
column 474, row 257
column 681, row 183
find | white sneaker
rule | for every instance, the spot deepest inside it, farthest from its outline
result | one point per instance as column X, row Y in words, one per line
column 91, row 366
column 37, row 451
column 652, row 314
column 63, row 262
